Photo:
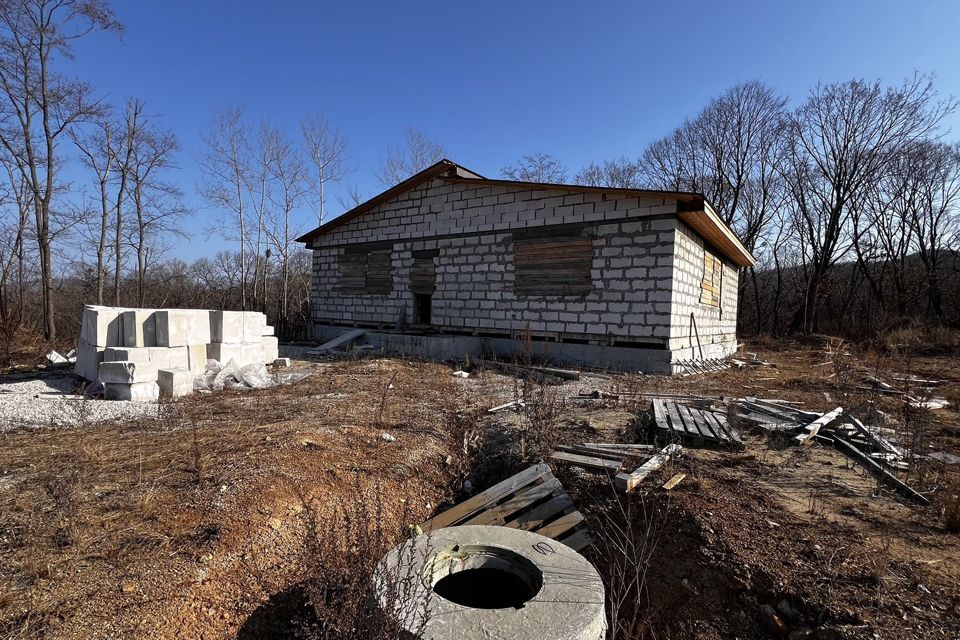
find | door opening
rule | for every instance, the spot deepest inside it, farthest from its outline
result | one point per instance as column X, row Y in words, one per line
column 422, row 307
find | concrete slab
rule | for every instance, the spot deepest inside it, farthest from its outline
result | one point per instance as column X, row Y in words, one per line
column 139, row 328
column 126, row 373
column 197, row 358
column 88, row 361
column 102, row 326
column 271, row 348
column 254, row 326
column 140, row 355
column 138, row 392
column 182, row 327
column 174, row 383
column 226, row 326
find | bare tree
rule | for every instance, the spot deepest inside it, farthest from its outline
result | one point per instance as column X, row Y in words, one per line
column 293, row 182
column 98, row 152
column 537, row 167
column 39, row 105
column 731, row 152
column 226, row 169
column 933, row 178
column 842, row 140
column 418, row 153
column 262, row 155
column 619, row 174
column 155, row 200
column 326, row 151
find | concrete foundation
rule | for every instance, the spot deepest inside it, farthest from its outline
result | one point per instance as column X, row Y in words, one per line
column 449, row 347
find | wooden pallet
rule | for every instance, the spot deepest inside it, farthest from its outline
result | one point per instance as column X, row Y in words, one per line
column 685, row 423
column 532, row 500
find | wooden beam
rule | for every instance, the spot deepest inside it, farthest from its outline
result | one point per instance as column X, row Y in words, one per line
column 878, row 471
column 627, row 482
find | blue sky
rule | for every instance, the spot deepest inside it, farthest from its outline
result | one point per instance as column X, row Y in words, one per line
column 492, row 81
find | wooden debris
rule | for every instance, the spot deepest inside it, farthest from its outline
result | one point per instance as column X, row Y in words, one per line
column 526, row 373
column 674, row 481
column 532, row 500
column 712, row 365
column 515, row 404
column 566, row 374
column 878, row 471
column 814, row 427
column 346, row 338
column 588, row 462
column 627, row 482
column 683, row 423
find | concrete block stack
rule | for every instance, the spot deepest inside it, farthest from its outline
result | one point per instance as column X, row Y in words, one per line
column 143, row 354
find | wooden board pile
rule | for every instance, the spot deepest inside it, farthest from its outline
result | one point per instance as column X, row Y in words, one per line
column 532, row 500
column 871, row 447
column 679, row 422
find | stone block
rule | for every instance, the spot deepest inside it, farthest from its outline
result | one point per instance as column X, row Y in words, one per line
column 139, row 355
column 268, row 330
column 88, row 361
column 102, row 326
column 270, row 348
column 281, row 362
column 223, row 352
column 126, row 372
column 197, row 358
column 160, row 357
column 174, row 383
column 137, row 392
column 182, row 327
column 139, row 328
column 178, row 358
column 226, row 326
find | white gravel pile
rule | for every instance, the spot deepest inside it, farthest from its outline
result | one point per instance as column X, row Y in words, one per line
column 51, row 402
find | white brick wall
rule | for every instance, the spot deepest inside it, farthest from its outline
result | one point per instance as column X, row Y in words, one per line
column 471, row 227
column 715, row 326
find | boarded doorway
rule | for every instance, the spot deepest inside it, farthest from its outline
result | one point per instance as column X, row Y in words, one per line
column 423, row 283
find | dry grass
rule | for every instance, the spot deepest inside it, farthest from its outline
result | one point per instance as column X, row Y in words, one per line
column 86, row 512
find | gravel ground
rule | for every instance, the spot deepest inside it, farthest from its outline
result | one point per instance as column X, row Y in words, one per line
column 51, row 401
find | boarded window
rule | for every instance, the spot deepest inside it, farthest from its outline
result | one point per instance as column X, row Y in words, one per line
column 712, row 277
column 552, row 266
column 365, row 269
column 423, row 276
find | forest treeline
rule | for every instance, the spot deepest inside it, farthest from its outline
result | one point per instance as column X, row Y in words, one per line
column 848, row 196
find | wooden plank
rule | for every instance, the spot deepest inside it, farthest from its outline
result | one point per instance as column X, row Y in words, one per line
column 705, row 422
column 589, row 462
column 561, row 525
column 676, row 424
column 507, row 405
column 878, row 471
column 487, row 498
column 674, row 481
column 725, row 425
column 660, row 413
column 533, row 519
column 628, row 481
column 715, row 426
column 814, row 427
column 606, row 454
column 349, row 336
column 524, row 498
column 876, row 440
column 578, row 541
column 691, row 423
column 609, row 445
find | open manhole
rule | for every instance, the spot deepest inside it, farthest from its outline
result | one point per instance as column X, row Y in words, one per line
column 483, row 577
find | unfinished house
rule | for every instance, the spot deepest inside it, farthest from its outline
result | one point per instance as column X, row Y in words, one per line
column 449, row 263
